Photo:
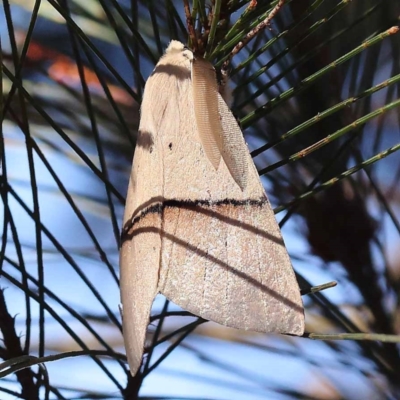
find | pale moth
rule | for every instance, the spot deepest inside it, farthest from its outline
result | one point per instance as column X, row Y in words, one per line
column 198, row 226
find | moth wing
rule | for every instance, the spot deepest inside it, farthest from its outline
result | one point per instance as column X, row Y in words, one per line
column 223, row 257
column 234, row 149
column 141, row 240
column 228, row 264
column 139, row 268
column 205, row 101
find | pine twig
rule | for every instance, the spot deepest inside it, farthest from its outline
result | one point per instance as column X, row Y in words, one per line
column 190, row 25
column 14, row 349
column 249, row 36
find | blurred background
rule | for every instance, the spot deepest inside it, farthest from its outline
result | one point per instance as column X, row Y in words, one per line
column 317, row 93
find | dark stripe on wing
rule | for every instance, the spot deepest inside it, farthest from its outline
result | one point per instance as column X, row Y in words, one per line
column 173, row 203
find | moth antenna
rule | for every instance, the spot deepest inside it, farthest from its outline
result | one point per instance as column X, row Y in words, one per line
column 205, row 101
column 234, row 153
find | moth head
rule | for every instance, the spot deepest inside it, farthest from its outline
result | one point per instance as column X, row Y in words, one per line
column 179, row 51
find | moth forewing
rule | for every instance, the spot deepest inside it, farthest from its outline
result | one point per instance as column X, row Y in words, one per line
column 210, row 245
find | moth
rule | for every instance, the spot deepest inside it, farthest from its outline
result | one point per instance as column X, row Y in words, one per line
column 198, row 226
